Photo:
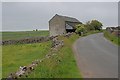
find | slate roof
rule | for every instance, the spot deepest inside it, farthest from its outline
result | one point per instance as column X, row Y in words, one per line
column 66, row 18
column 70, row 19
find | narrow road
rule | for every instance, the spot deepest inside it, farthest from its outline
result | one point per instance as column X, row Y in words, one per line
column 96, row 57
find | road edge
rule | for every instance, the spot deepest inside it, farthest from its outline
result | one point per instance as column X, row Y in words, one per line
column 77, row 58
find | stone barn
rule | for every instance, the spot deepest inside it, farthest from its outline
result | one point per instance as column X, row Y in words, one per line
column 60, row 25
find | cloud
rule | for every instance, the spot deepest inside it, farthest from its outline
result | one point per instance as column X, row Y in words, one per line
column 35, row 15
column 59, row 0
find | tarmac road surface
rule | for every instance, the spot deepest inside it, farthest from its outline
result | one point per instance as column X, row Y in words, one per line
column 96, row 57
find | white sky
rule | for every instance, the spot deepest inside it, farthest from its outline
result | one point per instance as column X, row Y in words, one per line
column 59, row 0
column 22, row 15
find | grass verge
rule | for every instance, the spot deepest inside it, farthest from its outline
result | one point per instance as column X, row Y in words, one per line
column 92, row 32
column 0, row 58
column 14, row 56
column 114, row 39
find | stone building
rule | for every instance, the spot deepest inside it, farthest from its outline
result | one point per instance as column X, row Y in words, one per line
column 60, row 25
column 114, row 30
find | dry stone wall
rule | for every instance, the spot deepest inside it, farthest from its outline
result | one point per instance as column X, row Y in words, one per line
column 26, row 41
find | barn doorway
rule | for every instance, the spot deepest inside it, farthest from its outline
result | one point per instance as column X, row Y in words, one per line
column 69, row 28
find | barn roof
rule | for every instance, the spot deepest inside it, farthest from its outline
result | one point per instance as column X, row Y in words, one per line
column 71, row 19
column 66, row 18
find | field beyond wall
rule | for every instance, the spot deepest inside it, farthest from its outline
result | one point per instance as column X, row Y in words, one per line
column 23, row 34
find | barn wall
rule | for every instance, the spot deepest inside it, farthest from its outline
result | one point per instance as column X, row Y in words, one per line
column 56, row 26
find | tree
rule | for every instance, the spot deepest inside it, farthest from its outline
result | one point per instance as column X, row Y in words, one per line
column 36, row 29
column 80, row 28
column 89, row 27
column 96, row 24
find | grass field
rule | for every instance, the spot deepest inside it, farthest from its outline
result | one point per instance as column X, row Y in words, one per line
column 22, row 34
column 112, row 38
column 15, row 56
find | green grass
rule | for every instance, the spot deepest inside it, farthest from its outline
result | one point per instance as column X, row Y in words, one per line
column 0, row 62
column 23, row 54
column 92, row 32
column 14, row 56
column 67, row 68
column 112, row 38
column 23, row 34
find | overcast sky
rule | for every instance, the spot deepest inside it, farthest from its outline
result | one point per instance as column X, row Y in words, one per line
column 35, row 15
